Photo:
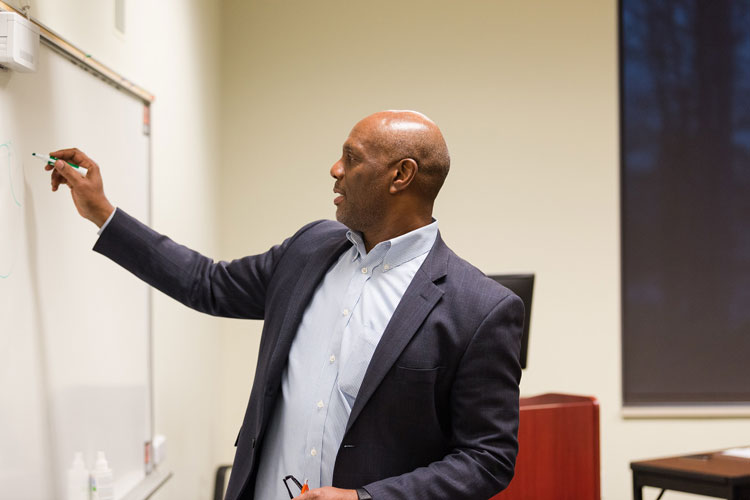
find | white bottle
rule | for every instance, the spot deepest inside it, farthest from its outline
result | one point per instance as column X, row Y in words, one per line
column 78, row 479
column 102, row 481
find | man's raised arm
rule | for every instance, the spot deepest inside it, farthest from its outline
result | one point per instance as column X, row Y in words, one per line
column 232, row 289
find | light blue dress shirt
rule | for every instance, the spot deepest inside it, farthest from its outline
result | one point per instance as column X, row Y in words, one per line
column 328, row 358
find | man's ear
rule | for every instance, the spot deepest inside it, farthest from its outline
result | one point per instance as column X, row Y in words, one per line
column 403, row 175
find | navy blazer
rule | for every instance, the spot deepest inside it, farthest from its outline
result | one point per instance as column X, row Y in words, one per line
column 436, row 416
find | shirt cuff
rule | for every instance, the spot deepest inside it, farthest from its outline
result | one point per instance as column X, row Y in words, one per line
column 106, row 222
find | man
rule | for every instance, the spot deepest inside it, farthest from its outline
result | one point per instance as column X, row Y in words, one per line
column 388, row 366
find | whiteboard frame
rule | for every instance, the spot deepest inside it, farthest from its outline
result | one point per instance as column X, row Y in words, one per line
column 154, row 478
column 78, row 56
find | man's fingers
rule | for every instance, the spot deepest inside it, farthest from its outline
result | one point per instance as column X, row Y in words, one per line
column 56, row 179
column 328, row 493
column 68, row 173
column 76, row 157
column 73, row 155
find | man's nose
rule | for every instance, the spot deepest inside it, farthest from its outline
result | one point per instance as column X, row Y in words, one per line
column 337, row 170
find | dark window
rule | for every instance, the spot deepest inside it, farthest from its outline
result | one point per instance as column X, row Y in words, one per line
column 685, row 147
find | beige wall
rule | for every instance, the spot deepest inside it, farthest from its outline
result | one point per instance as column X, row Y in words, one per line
column 526, row 94
column 171, row 49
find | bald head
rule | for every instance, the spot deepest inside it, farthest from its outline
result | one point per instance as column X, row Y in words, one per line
column 391, row 168
column 400, row 135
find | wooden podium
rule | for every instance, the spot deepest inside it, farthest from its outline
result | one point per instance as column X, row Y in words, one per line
column 558, row 454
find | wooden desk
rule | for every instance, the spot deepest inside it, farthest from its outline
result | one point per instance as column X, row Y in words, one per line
column 711, row 474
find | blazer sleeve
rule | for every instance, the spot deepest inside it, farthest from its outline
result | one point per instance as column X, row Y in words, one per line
column 484, row 418
column 235, row 289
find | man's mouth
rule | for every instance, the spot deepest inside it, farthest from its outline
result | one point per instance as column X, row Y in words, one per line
column 340, row 196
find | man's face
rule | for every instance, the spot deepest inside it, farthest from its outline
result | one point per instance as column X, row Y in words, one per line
column 361, row 180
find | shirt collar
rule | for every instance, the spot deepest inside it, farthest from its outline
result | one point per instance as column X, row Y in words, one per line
column 400, row 249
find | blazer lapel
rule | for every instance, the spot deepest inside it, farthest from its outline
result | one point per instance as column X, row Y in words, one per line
column 317, row 266
column 418, row 300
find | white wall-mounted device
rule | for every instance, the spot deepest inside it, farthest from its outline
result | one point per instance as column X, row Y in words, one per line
column 19, row 42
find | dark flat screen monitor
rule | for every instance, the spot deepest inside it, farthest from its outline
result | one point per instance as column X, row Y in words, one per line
column 523, row 286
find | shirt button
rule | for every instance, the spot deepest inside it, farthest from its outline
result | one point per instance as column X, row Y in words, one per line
column 386, row 267
column 364, row 270
column 320, row 404
column 345, row 312
column 313, row 452
column 332, row 358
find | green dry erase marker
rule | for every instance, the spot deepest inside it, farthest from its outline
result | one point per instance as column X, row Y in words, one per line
column 51, row 160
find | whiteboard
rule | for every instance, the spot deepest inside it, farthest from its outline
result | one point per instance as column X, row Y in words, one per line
column 74, row 328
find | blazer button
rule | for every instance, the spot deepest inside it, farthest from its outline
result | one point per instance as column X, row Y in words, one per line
column 252, row 443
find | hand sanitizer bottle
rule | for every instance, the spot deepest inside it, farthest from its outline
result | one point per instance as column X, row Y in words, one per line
column 102, row 481
column 78, row 479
